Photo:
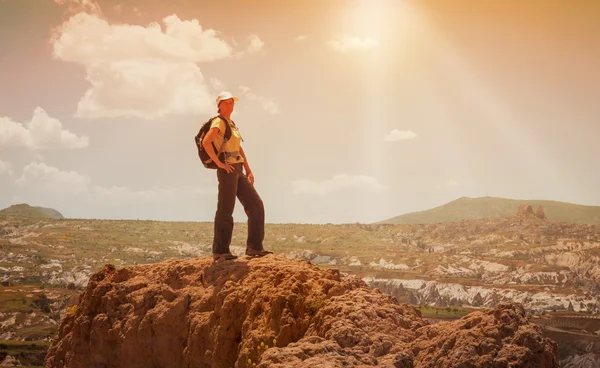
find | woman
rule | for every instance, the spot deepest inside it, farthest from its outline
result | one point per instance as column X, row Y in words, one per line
column 233, row 182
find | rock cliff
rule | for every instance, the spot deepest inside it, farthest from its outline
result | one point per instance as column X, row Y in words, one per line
column 273, row 312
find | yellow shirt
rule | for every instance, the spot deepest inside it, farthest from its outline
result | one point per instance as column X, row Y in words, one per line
column 231, row 148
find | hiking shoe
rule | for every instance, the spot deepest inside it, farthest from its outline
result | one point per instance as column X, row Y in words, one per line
column 226, row 256
column 257, row 253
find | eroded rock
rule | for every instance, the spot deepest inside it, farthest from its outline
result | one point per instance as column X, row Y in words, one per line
column 276, row 313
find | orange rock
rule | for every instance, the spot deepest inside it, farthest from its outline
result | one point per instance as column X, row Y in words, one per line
column 199, row 313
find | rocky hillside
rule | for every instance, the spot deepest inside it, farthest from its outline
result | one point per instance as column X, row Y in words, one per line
column 27, row 211
column 488, row 207
column 274, row 312
column 546, row 265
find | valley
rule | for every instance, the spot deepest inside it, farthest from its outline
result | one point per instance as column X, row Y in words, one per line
column 446, row 269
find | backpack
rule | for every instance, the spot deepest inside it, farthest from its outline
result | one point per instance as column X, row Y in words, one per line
column 204, row 157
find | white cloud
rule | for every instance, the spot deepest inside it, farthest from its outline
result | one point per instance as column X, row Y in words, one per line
column 216, row 84
column 347, row 43
column 53, row 182
column 138, row 71
column 6, row 168
column 398, row 135
column 336, row 183
column 37, row 156
column 41, row 132
column 300, row 38
column 451, row 183
column 267, row 104
column 118, row 195
column 50, row 179
column 76, row 6
column 256, row 44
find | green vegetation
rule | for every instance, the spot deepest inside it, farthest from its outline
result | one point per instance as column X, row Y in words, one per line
column 10, row 345
column 39, row 332
column 315, row 305
column 15, row 301
column 485, row 207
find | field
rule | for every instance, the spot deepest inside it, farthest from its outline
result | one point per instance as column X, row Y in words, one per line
column 446, row 269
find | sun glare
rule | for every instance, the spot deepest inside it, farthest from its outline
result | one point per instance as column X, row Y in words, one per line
column 384, row 25
column 374, row 18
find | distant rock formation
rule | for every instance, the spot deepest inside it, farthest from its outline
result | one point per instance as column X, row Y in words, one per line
column 588, row 360
column 490, row 207
column 525, row 210
column 276, row 313
column 540, row 213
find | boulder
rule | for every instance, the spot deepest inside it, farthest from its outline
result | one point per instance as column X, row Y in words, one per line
column 275, row 312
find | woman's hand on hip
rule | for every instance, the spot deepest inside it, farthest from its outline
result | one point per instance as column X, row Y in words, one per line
column 251, row 178
column 226, row 166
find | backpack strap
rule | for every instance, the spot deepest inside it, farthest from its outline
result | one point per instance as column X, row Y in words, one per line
column 238, row 130
column 228, row 133
column 226, row 136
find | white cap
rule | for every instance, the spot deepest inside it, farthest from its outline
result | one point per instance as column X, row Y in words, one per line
column 225, row 96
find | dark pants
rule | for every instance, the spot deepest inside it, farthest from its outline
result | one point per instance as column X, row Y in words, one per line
column 232, row 185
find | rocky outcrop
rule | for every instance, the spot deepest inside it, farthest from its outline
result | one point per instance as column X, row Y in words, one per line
column 540, row 213
column 501, row 337
column 10, row 361
column 588, row 360
column 429, row 292
column 525, row 210
column 275, row 312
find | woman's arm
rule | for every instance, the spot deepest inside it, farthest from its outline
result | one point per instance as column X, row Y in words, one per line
column 247, row 166
column 207, row 144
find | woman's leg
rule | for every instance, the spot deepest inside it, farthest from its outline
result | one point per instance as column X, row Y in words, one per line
column 255, row 210
column 223, row 228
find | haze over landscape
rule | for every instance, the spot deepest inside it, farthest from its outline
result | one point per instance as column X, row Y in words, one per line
column 351, row 111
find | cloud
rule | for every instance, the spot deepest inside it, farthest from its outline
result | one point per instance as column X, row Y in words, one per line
column 118, row 195
column 41, row 132
column 6, row 168
column 41, row 178
column 76, row 6
column 256, row 44
column 336, row 183
column 445, row 185
column 398, row 135
column 347, row 43
column 48, row 177
column 216, row 84
column 300, row 38
column 136, row 71
column 267, row 104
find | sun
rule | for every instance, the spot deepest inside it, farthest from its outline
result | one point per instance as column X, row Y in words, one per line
column 377, row 19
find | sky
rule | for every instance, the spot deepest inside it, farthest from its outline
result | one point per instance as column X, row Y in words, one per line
column 350, row 110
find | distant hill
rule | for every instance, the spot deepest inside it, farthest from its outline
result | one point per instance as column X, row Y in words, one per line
column 475, row 208
column 25, row 210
